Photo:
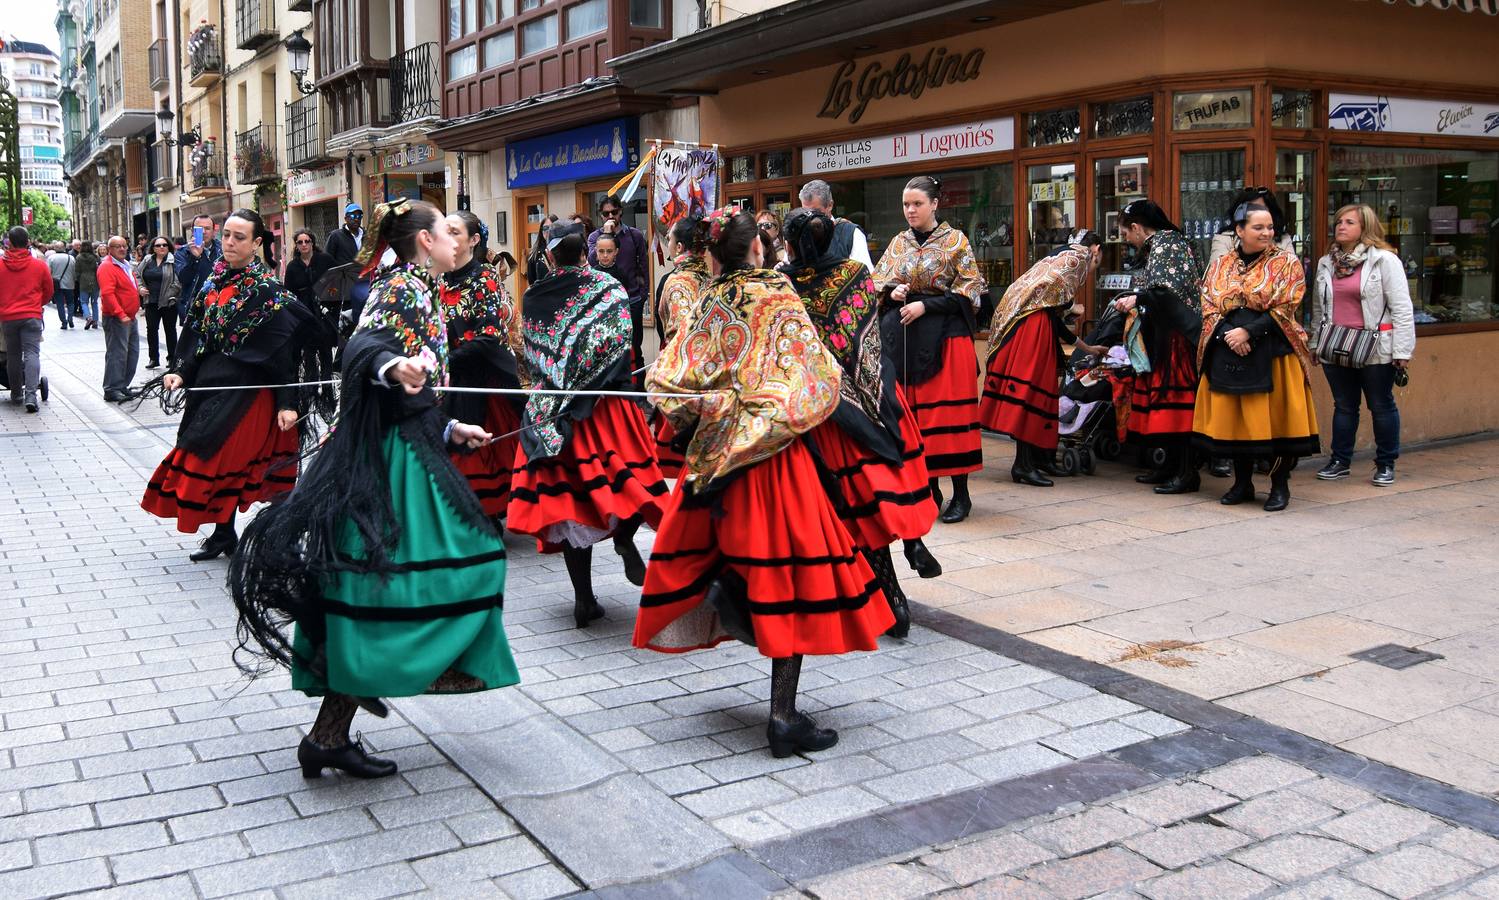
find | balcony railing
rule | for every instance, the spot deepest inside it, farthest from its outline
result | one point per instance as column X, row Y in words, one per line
column 254, row 23
column 205, row 170
column 160, row 61
column 255, row 155
column 80, row 146
column 205, row 61
column 306, row 143
column 165, row 165
column 300, row 6
column 415, row 88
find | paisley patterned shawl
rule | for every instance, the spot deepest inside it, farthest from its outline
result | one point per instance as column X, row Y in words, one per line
column 680, row 290
column 1172, row 265
column 233, row 303
column 475, row 304
column 1274, row 283
column 575, row 325
column 757, row 371
column 1052, row 282
column 944, row 264
column 844, row 307
column 402, row 302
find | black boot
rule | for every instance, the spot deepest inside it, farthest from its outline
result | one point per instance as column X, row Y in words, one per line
column 1280, row 484
column 959, row 506
column 221, row 542
column 1185, row 479
column 936, row 492
column 884, row 571
column 586, row 606
column 921, row 559
column 1024, row 469
column 350, row 759
column 1158, row 475
column 1220, row 467
column 789, row 730
column 1243, row 489
column 624, row 545
column 1044, row 462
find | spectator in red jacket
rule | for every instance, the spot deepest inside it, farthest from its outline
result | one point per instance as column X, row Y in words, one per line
column 25, row 289
column 119, row 302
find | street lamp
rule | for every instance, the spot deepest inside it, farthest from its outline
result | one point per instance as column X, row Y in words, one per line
column 300, row 50
column 164, row 119
column 101, row 168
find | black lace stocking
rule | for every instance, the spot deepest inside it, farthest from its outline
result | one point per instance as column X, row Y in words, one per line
column 884, row 570
column 331, row 730
column 936, row 492
column 785, row 674
column 960, row 487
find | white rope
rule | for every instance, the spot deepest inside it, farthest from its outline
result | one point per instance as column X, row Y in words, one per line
column 260, row 387
column 524, row 392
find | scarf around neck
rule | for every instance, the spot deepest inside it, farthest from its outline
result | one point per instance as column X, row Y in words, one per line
column 1171, row 264
column 1052, row 282
column 844, row 307
column 232, row 304
column 401, row 302
column 680, row 292
column 475, row 304
column 1273, row 282
column 1345, row 263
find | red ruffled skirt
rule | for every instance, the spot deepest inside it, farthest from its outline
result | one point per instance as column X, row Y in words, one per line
column 669, row 460
column 810, row 589
column 885, row 501
column 256, row 462
column 1162, row 400
column 1021, row 389
column 946, row 408
column 488, row 468
column 607, row 472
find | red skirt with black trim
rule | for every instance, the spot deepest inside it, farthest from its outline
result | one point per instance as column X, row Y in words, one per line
column 886, row 501
column 1022, row 387
column 606, row 473
column 1162, row 400
column 946, row 408
column 668, row 459
column 488, row 468
column 258, row 461
column 810, row 590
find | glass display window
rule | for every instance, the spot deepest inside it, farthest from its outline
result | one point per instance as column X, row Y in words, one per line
column 741, row 169
column 1438, row 208
column 1210, row 110
column 776, row 164
column 1209, row 179
column 1292, row 108
column 1053, row 126
column 1295, row 186
column 1116, row 181
column 1053, row 207
column 1124, row 118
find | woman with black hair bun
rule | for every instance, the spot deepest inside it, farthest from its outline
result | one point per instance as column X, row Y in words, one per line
column 235, row 447
column 483, row 336
column 750, row 547
column 1255, row 198
column 931, row 287
column 1166, row 306
column 676, row 296
column 382, row 557
column 586, row 467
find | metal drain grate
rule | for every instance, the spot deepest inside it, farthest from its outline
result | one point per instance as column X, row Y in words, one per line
column 1394, row 656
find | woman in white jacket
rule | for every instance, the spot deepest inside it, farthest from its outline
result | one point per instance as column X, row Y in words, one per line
column 1361, row 283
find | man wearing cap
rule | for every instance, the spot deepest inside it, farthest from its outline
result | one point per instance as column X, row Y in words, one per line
column 343, row 243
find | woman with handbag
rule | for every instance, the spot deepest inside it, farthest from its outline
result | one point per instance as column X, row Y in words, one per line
column 1364, row 333
column 156, row 275
column 1254, row 400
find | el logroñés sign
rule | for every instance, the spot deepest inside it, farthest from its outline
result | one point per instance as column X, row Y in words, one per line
column 947, row 142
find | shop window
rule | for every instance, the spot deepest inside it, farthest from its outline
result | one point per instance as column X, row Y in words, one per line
column 1116, row 181
column 1210, row 110
column 538, row 34
column 779, row 203
column 499, row 49
column 1053, row 211
column 463, row 63
column 645, row 13
column 777, row 164
column 743, row 204
column 1209, row 181
column 1437, row 207
column 1291, row 108
column 1053, row 126
column 1123, row 118
column 588, row 17
column 741, row 169
column 1295, row 182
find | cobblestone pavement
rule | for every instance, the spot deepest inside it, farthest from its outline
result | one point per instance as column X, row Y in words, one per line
column 136, row 761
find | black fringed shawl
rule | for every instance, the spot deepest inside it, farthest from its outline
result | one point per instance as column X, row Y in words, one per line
column 480, row 320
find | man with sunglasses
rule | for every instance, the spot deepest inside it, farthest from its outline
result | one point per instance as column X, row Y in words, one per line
column 343, row 243
column 630, row 264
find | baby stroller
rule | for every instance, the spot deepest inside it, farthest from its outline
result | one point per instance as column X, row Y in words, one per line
column 41, row 388
column 1087, row 431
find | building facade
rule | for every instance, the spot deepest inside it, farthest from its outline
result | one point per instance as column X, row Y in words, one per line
column 33, row 72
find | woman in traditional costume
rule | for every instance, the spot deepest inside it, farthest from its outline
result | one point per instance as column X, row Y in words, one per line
column 931, row 285
column 1165, row 304
column 586, row 467
column 750, row 546
column 1022, row 387
column 238, row 445
column 871, row 445
column 382, row 556
column 482, row 336
column 1254, row 401
column 676, row 297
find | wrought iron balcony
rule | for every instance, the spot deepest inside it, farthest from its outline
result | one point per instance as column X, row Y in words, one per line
column 160, row 60
column 205, row 59
column 415, row 85
column 306, row 140
column 165, row 163
column 254, row 23
column 205, row 169
column 80, row 146
column 255, row 155
column 300, row 6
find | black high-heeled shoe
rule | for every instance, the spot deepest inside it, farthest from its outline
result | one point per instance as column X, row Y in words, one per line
column 218, row 543
column 901, row 608
column 1241, row 492
column 800, row 733
column 1279, row 497
column 1030, row 477
column 351, row 759
column 922, row 560
column 585, row 611
column 957, row 510
column 634, row 565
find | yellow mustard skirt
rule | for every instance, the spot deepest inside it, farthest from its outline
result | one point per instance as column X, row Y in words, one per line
column 1280, row 423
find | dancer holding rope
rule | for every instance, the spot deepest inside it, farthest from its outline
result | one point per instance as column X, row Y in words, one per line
column 234, row 447
column 586, row 468
column 382, row 556
column 676, row 299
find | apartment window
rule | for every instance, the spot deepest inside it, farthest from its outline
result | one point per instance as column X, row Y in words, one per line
column 471, row 16
column 455, row 19
column 538, row 34
column 528, row 5
column 499, row 49
column 463, row 63
column 588, row 17
column 645, row 13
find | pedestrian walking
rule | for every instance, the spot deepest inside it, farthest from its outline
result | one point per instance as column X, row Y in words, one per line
column 676, row 301
column 382, row 558
column 306, row 267
column 343, row 242
column 234, row 446
column 156, row 276
column 195, row 263
column 1363, row 335
column 87, row 283
column 25, row 289
column 931, row 285
column 750, row 547
column 586, row 468
column 871, row 444
column 64, row 270
column 634, row 266
column 482, row 340
column 1254, row 401
column 120, row 305
column 1022, row 384
column 1165, row 309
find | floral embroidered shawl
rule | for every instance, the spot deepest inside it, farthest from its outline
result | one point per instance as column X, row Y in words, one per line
column 575, row 324
column 680, row 291
column 402, row 301
column 944, row 264
column 844, row 307
column 1171, row 264
column 475, row 304
column 1274, row 283
column 757, row 372
column 1052, row 282
column 233, row 303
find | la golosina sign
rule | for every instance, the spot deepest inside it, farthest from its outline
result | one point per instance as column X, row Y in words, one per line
column 906, row 77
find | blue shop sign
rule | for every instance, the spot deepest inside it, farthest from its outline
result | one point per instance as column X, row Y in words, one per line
column 608, row 148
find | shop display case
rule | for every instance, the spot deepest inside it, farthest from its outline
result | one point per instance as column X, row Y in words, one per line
column 1053, row 207
column 1116, row 181
column 1209, row 179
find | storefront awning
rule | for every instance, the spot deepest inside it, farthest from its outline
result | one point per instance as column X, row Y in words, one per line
column 805, row 34
column 590, row 101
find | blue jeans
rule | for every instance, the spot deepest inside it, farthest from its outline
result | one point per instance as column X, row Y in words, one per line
column 89, row 300
column 63, row 298
column 1349, row 387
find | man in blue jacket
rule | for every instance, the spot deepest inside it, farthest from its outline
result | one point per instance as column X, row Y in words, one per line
column 195, row 263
